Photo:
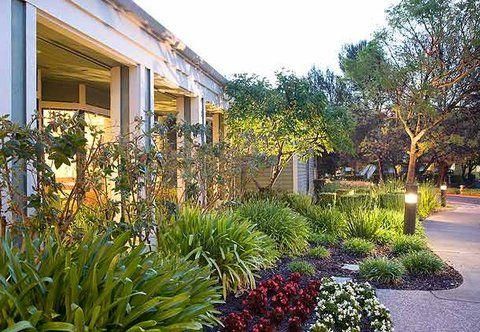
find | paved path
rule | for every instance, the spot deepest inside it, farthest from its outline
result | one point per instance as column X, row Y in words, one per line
column 454, row 234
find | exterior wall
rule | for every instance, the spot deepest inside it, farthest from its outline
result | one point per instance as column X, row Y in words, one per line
column 305, row 176
column 284, row 182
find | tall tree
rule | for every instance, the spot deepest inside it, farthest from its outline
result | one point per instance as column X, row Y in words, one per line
column 433, row 52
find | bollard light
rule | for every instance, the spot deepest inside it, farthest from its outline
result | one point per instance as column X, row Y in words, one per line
column 411, row 200
column 443, row 195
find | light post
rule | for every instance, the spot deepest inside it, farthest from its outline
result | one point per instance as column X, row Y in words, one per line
column 443, row 194
column 411, row 200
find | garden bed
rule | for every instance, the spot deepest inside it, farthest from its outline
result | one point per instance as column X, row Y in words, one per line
column 447, row 278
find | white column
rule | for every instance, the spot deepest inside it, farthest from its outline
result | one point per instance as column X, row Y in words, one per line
column 136, row 97
column 198, row 115
column 6, row 57
column 115, row 102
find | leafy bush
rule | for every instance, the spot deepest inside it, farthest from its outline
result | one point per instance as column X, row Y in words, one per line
column 422, row 263
column 319, row 252
column 363, row 223
column 326, row 199
column 429, row 200
column 385, row 237
column 323, row 239
column 287, row 228
column 231, row 247
column 391, row 220
column 381, row 270
column 302, row 267
column 358, row 246
column 392, row 201
column 355, row 202
column 404, row 244
column 341, row 307
column 99, row 284
column 320, row 219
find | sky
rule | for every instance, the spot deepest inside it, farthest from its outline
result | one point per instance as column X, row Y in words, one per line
column 262, row 36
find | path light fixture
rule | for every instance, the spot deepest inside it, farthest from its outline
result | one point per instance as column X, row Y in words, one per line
column 411, row 202
column 443, row 195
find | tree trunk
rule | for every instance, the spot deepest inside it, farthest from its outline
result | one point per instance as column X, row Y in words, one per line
column 380, row 171
column 443, row 168
column 412, row 162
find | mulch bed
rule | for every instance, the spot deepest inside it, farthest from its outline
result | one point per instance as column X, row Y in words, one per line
column 448, row 278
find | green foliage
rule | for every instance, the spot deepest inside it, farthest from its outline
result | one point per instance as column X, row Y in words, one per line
column 274, row 122
column 363, row 223
column 404, row 244
column 323, row 239
column 392, row 201
column 355, row 202
column 422, row 263
column 325, row 199
column 302, row 267
column 392, row 220
column 320, row 220
column 101, row 284
column 358, row 246
column 319, row 252
column 233, row 248
column 429, row 200
column 385, row 236
column 287, row 228
column 381, row 270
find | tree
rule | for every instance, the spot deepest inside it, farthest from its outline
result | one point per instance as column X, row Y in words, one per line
column 272, row 123
column 433, row 53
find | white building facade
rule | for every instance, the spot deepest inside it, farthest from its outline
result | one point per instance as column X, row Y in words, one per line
column 108, row 58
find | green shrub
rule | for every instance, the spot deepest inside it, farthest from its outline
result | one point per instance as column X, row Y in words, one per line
column 404, row 244
column 355, row 202
column 319, row 252
column 302, row 267
column 363, row 223
column 357, row 246
column 385, row 237
column 320, row 219
column 391, row 220
column 326, row 199
column 287, row 228
column 422, row 263
column 323, row 239
column 98, row 284
column 392, row 201
column 381, row 270
column 345, row 191
column 391, row 186
column 429, row 200
column 231, row 247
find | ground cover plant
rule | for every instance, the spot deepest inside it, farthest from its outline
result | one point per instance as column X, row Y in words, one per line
column 422, row 263
column 302, row 267
column 100, row 283
column 382, row 270
column 276, row 302
column 358, row 246
column 230, row 246
column 429, row 200
column 319, row 252
column 287, row 228
column 404, row 244
column 349, row 307
column 323, row 239
column 363, row 223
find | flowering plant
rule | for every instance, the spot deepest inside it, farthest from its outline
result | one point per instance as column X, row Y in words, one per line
column 274, row 302
column 344, row 307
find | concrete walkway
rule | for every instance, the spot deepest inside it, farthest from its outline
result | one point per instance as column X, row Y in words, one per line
column 454, row 235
